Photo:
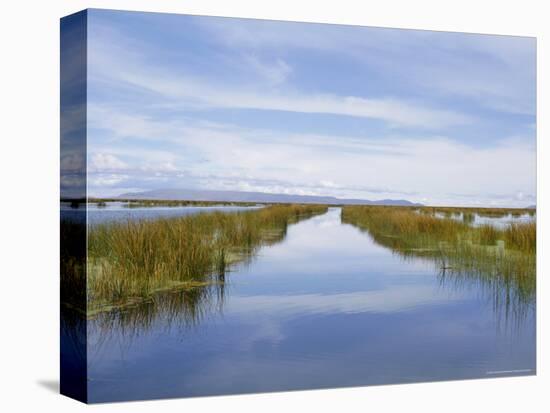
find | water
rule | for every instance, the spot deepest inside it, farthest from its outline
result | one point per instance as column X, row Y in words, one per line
column 326, row 307
column 503, row 222
column 498, row 222
column 118, row 211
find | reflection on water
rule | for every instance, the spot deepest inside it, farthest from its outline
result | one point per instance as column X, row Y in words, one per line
column 73, row 357
column 119, row 211
column 478, row 220
column 511, row 306
column 179, row 309
column 512, row 294
column 327, row 307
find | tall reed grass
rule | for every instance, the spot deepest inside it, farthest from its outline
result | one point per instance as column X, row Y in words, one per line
column 483, row 212
column 144, row 203
column 426, row 229
column 486, row 251
column 129, row 261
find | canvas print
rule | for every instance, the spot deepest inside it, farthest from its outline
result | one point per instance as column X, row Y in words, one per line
column 261, row 206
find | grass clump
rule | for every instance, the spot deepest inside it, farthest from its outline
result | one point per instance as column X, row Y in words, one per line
column 507, row 254
column 129, row 261
column 482, row 212
column 149, row 203
column 413, row 229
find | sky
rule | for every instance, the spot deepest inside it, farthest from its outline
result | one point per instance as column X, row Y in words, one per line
column 178, row 101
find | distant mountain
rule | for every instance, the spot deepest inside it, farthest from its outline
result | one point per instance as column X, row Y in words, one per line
column 532, row 207
column 241, row 196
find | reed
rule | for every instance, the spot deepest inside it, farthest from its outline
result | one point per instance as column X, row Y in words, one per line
column 507, row 254
column 145, row 203
column 426, row 229
column 129, row 261
column 482, row 212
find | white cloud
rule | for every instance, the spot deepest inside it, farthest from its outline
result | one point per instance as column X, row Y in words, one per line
column 148, row 143
column 105, row 161
column 179, row 90
column 433, row 169
column 105, row 180
column 497, row 71
column 382, row 301
column 186, row 93
column 72, row 161
column 275, row 72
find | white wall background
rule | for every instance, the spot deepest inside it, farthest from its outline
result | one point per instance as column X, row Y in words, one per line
column 29, row 153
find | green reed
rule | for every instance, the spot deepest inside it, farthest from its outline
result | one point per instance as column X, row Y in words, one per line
column 128, row 261
column 482, row 212
column 145, row 203
column 486, row 252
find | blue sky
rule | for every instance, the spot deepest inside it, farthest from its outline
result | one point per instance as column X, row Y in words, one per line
column 180, row 101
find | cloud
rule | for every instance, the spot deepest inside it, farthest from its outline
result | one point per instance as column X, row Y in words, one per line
column 105, row 161
column 383, row 301
column 496, row 71
column 176, row 89
column 186, row 93
column 275, row 72
column 72, row 162
column 408, row 114
column 431, row 169
column 105, row 180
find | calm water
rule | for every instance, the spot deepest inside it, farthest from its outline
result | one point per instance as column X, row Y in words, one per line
column 118, row 211
column 326, row 307
column 498, row 222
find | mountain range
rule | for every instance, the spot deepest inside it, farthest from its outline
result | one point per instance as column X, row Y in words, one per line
column 261, row 197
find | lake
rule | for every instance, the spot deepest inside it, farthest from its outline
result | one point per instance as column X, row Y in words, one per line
column 325, row 307
column 498, row 222
column 119, row 211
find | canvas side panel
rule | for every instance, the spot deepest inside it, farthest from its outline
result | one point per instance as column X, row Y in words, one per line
column 73, row 52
